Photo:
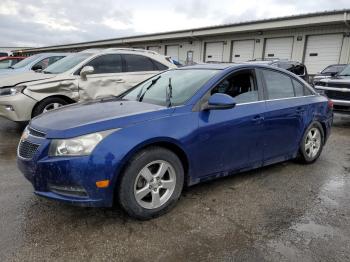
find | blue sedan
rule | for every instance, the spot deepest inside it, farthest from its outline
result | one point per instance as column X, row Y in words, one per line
column 177, row 129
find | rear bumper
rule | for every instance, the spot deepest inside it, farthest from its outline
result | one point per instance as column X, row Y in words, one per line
column 17, row 108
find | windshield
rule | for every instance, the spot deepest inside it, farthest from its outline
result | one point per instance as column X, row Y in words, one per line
column 333, row 69
column 25, row 62
column 5, row 63
column 66, row 63
column 184, row 84
column 345, row 72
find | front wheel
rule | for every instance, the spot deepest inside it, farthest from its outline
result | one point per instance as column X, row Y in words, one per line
column 312, row 143
column 151, row 184
column 48, row 104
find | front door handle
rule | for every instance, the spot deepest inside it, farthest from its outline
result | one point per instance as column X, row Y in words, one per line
column 120, row 81
column 258, row 118
column 300, row 110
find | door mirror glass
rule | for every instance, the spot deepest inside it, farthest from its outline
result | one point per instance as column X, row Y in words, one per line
column 220, row 101
column 86, row 70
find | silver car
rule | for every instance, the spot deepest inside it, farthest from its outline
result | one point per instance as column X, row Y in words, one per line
column 36, row 62
column 86, row 75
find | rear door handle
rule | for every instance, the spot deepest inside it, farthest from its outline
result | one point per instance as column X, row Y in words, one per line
column 120, row 80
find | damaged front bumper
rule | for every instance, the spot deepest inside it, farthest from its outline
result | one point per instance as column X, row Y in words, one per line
column 17, row 107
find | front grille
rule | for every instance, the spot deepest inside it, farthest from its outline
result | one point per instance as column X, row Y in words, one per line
column 337, row 95
column 27, row 149
column 36, row 133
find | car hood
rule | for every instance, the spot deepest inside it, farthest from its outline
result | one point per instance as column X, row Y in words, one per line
column 89, row 117
column 20, row 78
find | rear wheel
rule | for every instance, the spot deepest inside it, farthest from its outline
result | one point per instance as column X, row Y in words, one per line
column 312, row 143
column 48, row 104
column 151, row 184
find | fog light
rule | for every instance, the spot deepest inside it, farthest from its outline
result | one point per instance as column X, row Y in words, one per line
column 9, row 108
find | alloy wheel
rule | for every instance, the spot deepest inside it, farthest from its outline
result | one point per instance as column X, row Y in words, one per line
column 155, row 184
column 313, row 142
column 51, row 106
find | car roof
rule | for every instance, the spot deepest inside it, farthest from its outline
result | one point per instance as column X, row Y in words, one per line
column 217, row 66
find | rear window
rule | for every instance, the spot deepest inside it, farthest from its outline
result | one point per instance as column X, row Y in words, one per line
column 137, row 63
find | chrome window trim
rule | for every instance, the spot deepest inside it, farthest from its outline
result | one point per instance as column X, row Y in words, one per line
column 277, row 99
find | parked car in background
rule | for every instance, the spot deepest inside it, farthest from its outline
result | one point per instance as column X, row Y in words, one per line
column 295, row 67
column 337, row 88
column 87, row 75
column 36, row 62
column 3, row 54
column 8, row 61
column 180, row 127
column 328, row 72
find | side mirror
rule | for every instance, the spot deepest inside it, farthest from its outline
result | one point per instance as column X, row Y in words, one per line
column 37, row 68
column 219, row 102
column 86, row 70
column 333, row 74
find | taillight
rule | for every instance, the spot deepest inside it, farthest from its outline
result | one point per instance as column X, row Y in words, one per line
column 330, row 104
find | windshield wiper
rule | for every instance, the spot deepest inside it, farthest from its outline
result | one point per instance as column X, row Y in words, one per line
column 141, row 95
column 169, row 93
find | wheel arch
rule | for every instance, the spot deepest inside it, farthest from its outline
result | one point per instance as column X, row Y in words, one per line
column 166, row 143
column 66, row 98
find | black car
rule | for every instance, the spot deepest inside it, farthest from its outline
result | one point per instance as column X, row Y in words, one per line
column 293, row 66
column 337, row 88
column 329, row 72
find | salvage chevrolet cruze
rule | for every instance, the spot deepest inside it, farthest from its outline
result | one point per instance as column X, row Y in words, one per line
column 176, row 129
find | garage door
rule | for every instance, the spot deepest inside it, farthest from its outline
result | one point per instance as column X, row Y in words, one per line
column 214, row 52
column 173, row 51
column 279, row 48
column 154, row 48
column 242, row 51
column 321, row 51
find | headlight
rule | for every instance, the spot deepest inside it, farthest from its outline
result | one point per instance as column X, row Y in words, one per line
column 78, row 146
column 10, row 91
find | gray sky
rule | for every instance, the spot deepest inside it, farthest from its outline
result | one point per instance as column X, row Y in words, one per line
column 51, row 22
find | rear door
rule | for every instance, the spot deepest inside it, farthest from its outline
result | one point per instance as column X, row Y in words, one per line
column 231, row 139
column 286, row 115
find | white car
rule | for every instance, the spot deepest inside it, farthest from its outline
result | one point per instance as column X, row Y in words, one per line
column 86, row 75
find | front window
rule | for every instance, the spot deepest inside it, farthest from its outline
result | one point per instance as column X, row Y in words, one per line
column 183, row 84
column 26, row 62
column 345, row 72
column 66, row 63
column 240, row 85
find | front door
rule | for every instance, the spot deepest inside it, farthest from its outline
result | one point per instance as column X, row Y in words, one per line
column 231, row 139
column 106, row 80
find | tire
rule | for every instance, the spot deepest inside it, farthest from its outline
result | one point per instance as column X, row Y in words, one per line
column 139, row 184
column 48, row 104
column 312, row 143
